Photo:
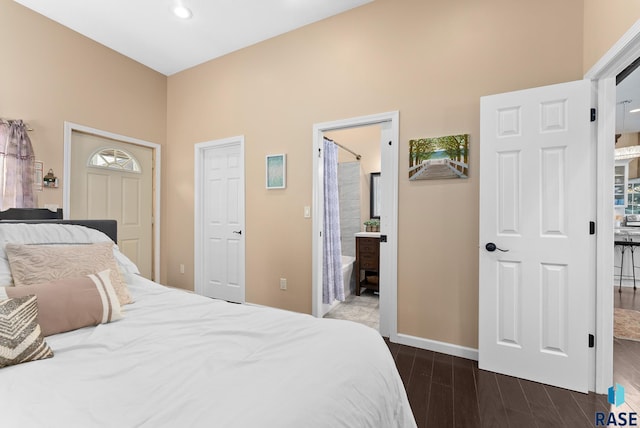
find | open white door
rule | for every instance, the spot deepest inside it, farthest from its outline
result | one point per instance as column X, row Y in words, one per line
column 535, row 204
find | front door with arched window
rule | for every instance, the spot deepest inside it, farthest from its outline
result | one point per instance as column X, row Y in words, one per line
column 113, row 179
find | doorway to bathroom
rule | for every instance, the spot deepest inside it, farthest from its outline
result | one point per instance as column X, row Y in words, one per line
column 358, row 166
column 385, row 127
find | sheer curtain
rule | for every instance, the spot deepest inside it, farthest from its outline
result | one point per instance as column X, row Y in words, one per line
column 16, row 166
column 332, row 282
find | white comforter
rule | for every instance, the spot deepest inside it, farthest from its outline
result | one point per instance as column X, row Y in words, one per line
column 181, row 360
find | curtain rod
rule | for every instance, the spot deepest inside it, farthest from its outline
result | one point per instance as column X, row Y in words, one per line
column 10, row 121
column 344, row 148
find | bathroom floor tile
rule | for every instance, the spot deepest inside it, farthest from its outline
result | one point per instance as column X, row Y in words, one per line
column 363, row 309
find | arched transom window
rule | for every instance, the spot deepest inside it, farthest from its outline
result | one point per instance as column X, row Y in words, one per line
column 113, row 158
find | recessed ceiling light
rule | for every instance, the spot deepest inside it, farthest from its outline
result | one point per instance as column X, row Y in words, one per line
column 181, row 12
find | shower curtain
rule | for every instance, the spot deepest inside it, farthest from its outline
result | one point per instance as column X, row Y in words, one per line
column 332, row 282
column 16, row 166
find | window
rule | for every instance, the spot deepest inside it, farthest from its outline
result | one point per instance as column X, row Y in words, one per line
column 113, row 158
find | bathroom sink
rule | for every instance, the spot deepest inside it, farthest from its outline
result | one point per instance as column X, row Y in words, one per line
column 374, row 234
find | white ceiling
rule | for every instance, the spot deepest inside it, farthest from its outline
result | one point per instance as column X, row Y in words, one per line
column 147, row 31
column 628, row 90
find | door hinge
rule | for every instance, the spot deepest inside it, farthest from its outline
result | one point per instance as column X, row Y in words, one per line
column 592, row 341
column 592, row 228
column 593, row 115
column 319, row 153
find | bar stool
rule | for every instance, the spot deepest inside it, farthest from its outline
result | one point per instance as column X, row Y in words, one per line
column 631, row 245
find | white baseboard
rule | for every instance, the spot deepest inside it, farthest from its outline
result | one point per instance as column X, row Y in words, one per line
column 434, row 345
column 627, row 283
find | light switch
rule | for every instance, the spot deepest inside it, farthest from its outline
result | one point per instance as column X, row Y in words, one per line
column 307, row 212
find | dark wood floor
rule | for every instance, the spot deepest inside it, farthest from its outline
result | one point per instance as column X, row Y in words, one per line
column 446, row 391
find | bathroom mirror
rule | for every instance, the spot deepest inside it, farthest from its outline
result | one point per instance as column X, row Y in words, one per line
column 374, row 207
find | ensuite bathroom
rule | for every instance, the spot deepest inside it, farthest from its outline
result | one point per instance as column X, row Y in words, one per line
column 358, row 171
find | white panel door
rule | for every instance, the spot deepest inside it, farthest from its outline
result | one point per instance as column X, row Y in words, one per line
column 535, row 204
column 223, row 251
column 119, row 194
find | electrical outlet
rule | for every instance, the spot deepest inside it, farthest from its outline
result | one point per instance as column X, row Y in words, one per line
column 181, row 268
column 283, row 283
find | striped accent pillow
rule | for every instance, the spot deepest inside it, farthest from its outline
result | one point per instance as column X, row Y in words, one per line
column 72, row 303
column 21, row 339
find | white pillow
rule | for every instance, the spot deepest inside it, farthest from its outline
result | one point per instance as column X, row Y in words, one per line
column 52, row 233
column 124, row 263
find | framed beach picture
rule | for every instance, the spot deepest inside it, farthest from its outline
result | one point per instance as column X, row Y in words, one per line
column 439, row 157
column 276, row 171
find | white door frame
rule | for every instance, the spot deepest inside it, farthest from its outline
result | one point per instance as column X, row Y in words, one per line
column 603, row 74
column 69, row 127
column 389, row 304
column 198, row 240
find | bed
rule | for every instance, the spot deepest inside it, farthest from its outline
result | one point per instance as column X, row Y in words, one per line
column 177, row 359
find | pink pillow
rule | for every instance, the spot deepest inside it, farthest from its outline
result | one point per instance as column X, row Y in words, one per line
column 71, row 303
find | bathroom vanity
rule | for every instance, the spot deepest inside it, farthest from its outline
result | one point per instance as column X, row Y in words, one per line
column 367, row 264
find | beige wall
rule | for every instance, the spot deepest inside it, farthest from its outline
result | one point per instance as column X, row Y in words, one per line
column 50, row 74
column 604, row 23
column 432, row 61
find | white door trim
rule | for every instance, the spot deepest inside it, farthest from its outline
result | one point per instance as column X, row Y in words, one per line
column 603, row 73
column 198, row 240
column 69, row 127
column 389, row 304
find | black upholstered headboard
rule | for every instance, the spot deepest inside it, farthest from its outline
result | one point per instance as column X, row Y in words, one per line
column 31, row 214
column 108, row 227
